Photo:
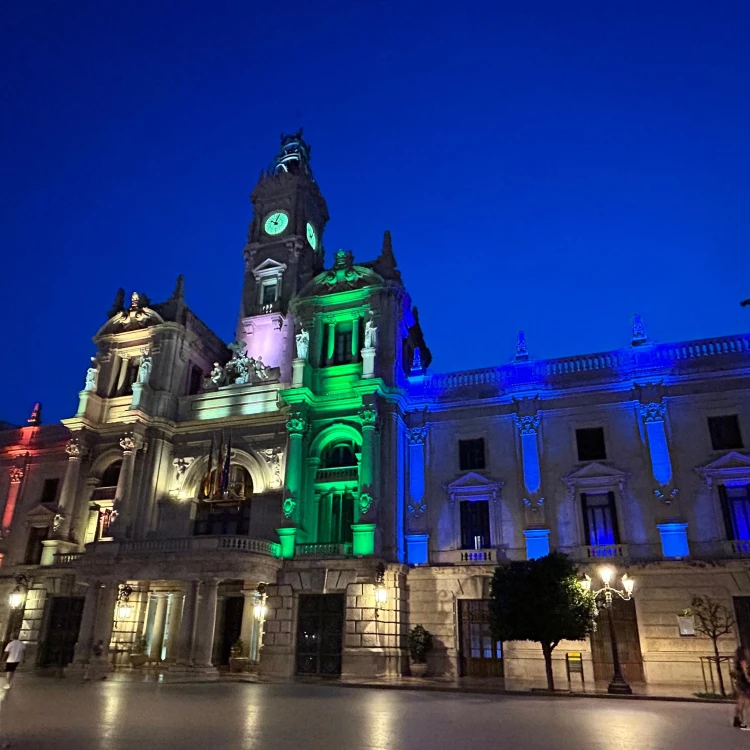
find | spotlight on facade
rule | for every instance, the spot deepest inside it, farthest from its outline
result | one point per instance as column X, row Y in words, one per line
column 381, row 592
column 18, row 595
column 260, row 610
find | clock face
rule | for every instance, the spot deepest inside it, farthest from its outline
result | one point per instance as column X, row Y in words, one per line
column 312, row 238
column 276, row 222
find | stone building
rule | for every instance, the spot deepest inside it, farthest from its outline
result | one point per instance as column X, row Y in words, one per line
column 313, row 491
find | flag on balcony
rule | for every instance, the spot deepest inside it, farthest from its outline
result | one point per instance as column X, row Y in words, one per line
column 206, row 484
column 216, row 484
column 225, row 471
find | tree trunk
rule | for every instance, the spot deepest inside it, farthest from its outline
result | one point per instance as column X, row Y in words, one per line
column 718, row 668
column 547, row 651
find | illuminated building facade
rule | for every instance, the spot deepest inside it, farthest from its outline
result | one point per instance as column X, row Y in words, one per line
column 314, row 491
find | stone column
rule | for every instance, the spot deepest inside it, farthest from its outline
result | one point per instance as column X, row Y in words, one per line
column 69, row 489
column 248, row 619
column 123, row 501
column 204, row 645
column 331, row 343
column 81, row 514
column 160, row 621
column 175, row 624
column 296, row 425
column 82, row 652
column 14, row 490
column 186, row 635
column 355, row 337
column 105, row 616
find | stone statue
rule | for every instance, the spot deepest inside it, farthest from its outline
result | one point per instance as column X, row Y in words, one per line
column 371, row 333
column 303, row 341
column 144, row 367
column 242, row 368
column 261, row 371
column 216, row 375
column 92, row 376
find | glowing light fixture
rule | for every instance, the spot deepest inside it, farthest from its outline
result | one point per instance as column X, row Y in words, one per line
column 381, row 592
column 585, row 582
column 18, row 595
column 606, row 575
column 627, row 584
column 260, row 610
column 124, row 610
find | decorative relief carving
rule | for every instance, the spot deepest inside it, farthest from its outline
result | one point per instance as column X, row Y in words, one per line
column 368, row 415
column 653, row 412
column 273, row 457
column 297, row 423
column 666, row 496
column 527, row 425
column 417, row 435
column 365, row 502
column 417, row 510
column 57, row 521
column 181, row 465
column 74, row 449
column 288, row 507
column 16, row 474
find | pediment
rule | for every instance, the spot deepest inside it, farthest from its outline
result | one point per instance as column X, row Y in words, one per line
column 40, row 513
column 269, row 267
column 473, row 484
column 732, row 464
column 595, row 474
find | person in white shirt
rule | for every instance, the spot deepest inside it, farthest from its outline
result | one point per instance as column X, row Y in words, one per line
column 14, row 653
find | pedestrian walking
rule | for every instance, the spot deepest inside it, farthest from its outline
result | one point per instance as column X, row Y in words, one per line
column 13, row 655
column 742, row 687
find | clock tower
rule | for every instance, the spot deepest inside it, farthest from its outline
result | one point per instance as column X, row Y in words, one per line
column 284, row 251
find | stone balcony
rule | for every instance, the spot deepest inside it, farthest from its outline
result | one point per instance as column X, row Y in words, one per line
column 323, row 550
column 220, row 556
column 343, row 474
column 464, row 557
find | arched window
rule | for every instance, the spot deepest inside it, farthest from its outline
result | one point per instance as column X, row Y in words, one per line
column 238, row 485
column 111, row 475
column 338, row 456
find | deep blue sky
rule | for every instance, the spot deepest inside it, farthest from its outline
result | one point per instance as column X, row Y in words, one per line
column 553, row 166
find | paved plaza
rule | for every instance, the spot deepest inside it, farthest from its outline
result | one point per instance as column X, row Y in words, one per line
column 42, row 714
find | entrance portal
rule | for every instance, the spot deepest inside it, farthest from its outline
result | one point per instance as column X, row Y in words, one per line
column 320, row 626
column 233, row 607
column 628, row 643
column 62, row 632
column 480, row 654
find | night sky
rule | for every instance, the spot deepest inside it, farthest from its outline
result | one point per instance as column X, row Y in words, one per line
column 553, row 166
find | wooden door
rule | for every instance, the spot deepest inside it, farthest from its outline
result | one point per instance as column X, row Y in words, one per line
column 479, row 654
column 628, row 643
column 62, row 632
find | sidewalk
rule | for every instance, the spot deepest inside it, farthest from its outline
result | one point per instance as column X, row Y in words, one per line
column 481, row 686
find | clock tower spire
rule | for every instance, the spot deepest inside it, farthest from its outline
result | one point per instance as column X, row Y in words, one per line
column 289, row 216
column 284, row 251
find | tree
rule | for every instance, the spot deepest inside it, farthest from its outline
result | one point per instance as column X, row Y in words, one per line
column 541, row 600
column 712, row 619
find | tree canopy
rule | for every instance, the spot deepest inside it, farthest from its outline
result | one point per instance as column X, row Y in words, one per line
column 541, row 600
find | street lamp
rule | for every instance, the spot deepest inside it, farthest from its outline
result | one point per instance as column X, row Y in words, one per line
column 260, row 610
column 618, row 685
column 18, row 595
column 124, row 609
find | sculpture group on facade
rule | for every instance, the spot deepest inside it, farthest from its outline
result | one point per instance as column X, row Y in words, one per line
column 303, row 344
column 240, row 369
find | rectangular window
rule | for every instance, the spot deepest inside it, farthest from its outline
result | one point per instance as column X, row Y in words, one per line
column 475, row 524
column 268, row 291
column 342, row 351
column 735, row 505
column 725, row 433
column 49, row 491
column 471, row 454
column 34, row 546
column 590, row 444
column 600, row 519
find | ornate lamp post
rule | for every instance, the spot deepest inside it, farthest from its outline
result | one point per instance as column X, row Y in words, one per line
column 18, row 595
column 618, row 685
column 381, row 592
